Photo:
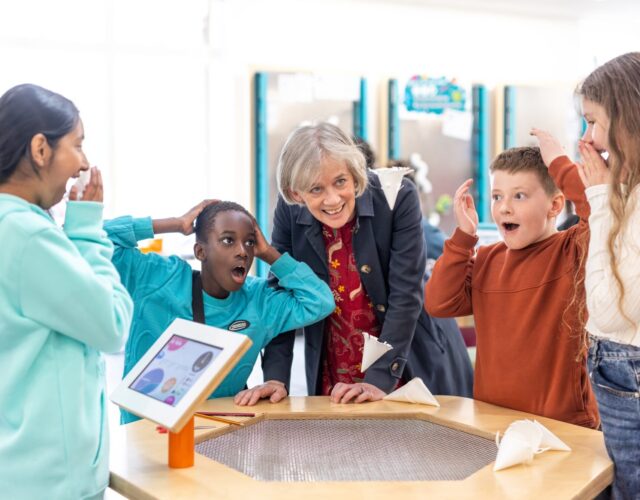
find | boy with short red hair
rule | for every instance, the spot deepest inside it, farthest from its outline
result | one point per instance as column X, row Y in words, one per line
column 527, row 292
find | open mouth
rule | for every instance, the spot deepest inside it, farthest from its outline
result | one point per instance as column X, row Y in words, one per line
column 510, row 226
column 333, row 212
column 238, row 273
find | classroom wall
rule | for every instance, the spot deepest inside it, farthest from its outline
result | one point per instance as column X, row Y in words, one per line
column 164, row 86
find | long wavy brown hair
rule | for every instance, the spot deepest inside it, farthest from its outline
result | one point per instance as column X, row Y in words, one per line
column 616, row 87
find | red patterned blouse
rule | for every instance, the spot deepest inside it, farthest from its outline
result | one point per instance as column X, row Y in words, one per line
column 353, row 314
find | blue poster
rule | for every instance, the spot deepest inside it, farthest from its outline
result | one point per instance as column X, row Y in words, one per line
column 433, row 95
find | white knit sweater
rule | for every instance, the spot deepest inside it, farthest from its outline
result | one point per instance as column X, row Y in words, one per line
column 602, row 289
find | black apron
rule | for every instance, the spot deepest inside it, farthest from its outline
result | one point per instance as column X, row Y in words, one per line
column 196, row 297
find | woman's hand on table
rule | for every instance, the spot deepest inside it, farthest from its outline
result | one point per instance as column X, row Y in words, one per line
column 272, row 389
column 359, row 393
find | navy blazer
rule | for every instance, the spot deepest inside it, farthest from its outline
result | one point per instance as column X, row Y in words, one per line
column 390, row 256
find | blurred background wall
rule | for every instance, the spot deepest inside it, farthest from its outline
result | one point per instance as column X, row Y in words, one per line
column 164, row 86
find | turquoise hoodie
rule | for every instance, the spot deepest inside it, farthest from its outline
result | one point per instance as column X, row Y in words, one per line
column 61, row 303
column 161, row 290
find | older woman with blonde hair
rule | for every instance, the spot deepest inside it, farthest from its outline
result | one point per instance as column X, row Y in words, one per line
column 333, row 214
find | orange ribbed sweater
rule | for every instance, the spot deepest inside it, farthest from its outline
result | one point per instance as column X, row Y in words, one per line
column 526, row 352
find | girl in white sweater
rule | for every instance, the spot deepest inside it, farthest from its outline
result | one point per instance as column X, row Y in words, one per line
column 611, row 107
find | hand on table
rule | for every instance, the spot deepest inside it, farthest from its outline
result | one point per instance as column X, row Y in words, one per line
column 359, row 393
column 272, row 389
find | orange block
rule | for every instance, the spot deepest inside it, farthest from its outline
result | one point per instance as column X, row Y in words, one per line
column 153, row 246
column 182, row 447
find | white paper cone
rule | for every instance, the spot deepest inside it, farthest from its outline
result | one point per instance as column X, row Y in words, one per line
column 413, row 392
column 512, row 451
column 528, row 432
column 549, row 440
column 391, row 179
column 373, row 350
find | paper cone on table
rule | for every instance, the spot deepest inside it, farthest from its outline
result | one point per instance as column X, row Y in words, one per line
column 415, row 391
column 373, row 350
column 391, row 179
column 549, row 440
column 528, row 432
column 513, row 450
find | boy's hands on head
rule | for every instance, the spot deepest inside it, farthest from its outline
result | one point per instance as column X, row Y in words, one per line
column 550, row 147
column 93, row 191
column 186, row 221
column 464, row 209
column 263, row 250
column 272, row 389
column 593, row 170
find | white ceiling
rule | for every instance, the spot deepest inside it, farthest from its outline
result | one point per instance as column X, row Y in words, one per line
column 551, row 9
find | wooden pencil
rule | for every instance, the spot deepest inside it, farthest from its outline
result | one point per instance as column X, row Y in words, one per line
column 219, row 419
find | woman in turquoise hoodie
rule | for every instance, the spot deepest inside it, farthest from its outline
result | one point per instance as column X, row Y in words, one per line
column 61, row 304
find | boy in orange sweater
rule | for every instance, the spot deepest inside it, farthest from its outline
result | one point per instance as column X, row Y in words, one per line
column 526, row 293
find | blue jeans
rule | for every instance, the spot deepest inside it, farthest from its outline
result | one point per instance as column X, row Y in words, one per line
column 615, row 376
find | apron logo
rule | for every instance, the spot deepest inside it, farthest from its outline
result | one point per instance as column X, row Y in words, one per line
column 236, row 326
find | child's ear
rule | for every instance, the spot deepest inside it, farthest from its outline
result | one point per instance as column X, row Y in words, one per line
column 198, row 251
column 557, row 205
column 40, row 150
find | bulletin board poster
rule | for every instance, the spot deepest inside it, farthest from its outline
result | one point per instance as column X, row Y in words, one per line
column 435, row 124
column 425, row 94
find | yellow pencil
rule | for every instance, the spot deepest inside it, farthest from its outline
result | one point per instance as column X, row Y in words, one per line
column 219, row 419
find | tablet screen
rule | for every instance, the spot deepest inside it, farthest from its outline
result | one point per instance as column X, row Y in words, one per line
column 174, row 370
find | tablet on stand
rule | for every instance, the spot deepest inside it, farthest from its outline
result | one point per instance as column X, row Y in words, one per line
column 180, row 370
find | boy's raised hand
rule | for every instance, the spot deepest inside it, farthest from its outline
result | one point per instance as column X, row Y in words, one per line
column 464, row 209
column 550, row 147
column 263, row 250
column 185, row 223
column 593, row 170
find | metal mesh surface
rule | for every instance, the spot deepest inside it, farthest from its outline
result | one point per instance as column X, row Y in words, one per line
column 350, row 450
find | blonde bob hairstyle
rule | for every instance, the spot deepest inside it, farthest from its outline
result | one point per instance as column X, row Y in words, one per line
column 304, row 153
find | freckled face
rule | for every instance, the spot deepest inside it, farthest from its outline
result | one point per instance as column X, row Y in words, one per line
column 331, row 199
column 521, row 208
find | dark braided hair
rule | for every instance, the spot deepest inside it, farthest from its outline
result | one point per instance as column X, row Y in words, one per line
column 205, row 221
column 25, row 111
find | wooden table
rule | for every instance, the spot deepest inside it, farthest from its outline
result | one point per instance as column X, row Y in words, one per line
column 139, row 458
